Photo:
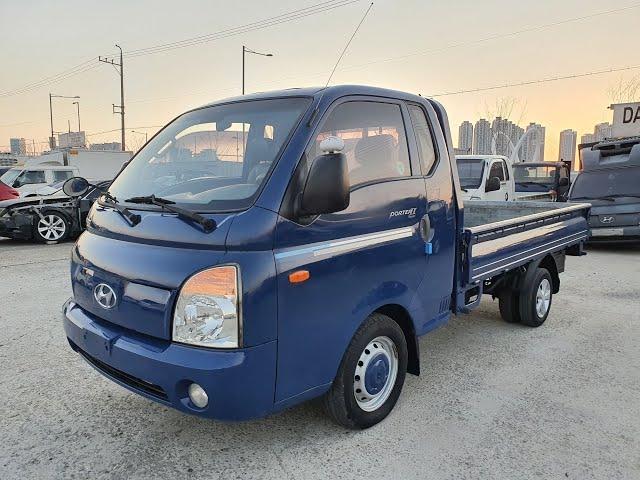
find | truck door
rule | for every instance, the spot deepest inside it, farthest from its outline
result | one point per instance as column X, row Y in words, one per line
column 370, row 254
column 432, row 303
column 510, row 185
column 496, row 170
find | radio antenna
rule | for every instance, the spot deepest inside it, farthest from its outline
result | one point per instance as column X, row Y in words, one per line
column 347, row 45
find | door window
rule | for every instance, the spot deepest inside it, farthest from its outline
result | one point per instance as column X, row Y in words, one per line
column 496, row 171
column 30, row 177
column 424, row 138
column 374, row 138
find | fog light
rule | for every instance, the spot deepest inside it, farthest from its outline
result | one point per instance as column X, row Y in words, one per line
column 198, row 396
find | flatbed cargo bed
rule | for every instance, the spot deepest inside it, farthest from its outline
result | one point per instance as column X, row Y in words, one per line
column 502, row 236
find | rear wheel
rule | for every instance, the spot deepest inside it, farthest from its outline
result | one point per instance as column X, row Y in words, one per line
column 510, row 307
column 371, row 375
column 535, row 298
column 52, row 227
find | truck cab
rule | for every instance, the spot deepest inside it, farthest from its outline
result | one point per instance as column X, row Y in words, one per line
column 485, row 177
column 610, row 182
column 28, row 180
column 542, row 181
column 269, row 249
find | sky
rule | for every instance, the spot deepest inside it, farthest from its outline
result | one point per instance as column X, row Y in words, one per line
column 426, row 47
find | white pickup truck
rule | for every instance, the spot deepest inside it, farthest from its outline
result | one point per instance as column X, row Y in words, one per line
column 486, row 177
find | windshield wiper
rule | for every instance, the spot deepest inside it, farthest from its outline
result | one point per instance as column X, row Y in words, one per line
column 131, row 218
column 207, row 224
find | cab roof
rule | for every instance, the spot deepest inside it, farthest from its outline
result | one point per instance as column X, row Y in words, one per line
column 329, row 93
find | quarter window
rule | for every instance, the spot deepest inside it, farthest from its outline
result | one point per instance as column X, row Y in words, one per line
column 496, row 171
column 374, row 138
column 506, row 170
column 424, row 138
column 60, row 175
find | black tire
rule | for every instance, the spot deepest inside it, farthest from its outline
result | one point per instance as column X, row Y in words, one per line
column 509, row 303
column 529, row 314
column 53, row 218
column 340, row 401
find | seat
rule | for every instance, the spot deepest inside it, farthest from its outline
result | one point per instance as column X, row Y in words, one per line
column 375, row 158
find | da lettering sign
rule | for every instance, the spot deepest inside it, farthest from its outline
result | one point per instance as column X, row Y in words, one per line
column 626, row 120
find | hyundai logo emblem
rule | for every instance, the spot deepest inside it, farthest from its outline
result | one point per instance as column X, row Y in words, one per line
column 105, row 296
column 606, row 219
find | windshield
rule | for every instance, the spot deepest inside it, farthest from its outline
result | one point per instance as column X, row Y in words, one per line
column 10, row 176
column 470, row 171
column 214, row 158
column 534, row 178
column 605, row 183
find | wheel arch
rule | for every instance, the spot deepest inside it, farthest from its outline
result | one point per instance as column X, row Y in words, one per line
column 549, row 262
column 401, row 316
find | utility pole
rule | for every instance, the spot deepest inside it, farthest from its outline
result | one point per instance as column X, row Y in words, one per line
column 118, row 108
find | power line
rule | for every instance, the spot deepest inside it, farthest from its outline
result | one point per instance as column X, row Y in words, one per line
column 258, row 25
column 534, row 82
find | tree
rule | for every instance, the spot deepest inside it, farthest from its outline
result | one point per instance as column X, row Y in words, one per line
column 625, row 90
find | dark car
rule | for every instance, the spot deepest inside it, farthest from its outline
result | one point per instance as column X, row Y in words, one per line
column 610, row 181
column 542, row 181
column 48, row 218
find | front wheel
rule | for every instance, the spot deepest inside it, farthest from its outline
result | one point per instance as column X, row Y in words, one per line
column 52, row 227
column 371, row 374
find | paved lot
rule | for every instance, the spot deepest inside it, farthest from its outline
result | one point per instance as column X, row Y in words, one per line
column 495, row 400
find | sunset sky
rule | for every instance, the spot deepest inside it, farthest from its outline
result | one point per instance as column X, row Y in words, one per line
column 426, row 47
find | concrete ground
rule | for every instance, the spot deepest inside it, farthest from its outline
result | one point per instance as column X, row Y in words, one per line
column 494, row 401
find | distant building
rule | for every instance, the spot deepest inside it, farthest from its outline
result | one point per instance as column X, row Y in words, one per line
column 504, row 135
column 567, row 150
column 482, row 137
column 532, row 149
column 602, row 131
column 18, row 146
column 72, row 140
column 465, row 137
column 588, row 138
column 103, row 147
column 8, row 160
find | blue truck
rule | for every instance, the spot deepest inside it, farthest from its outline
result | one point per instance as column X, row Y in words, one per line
column 269, row 249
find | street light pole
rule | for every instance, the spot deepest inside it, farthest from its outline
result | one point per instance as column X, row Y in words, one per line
column 246, row 50
column 77, row 104
column 146, row 135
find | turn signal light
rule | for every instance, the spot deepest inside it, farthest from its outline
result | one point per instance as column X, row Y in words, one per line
column 299, row 276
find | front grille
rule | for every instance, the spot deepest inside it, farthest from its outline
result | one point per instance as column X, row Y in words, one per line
column 130, row 380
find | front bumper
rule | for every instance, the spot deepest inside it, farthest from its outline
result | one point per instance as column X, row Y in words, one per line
column 240, row 383
column 19, row 227
column 615, row 234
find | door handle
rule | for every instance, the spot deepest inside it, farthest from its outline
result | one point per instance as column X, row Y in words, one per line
column 425, row 228
column 425, row 233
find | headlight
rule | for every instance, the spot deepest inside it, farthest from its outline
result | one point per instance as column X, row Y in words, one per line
column 207, row 309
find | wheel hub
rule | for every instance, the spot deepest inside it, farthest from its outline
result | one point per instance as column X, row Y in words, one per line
column 543, row 298
column 375, row 374
column 51, row 227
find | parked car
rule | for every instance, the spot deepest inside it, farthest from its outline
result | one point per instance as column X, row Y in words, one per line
column 46, row 190
column 51, row 219
column 610, row 181
column 3, row 170
column 542, row 181
column 310, row 272
column 7, row 192
column 27, row 180
column 485, row 177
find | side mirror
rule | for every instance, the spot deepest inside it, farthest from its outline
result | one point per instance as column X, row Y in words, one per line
column 75, row 187
column 17, row 183
column 327, row 187
column 563, row 182
column 493, row 184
